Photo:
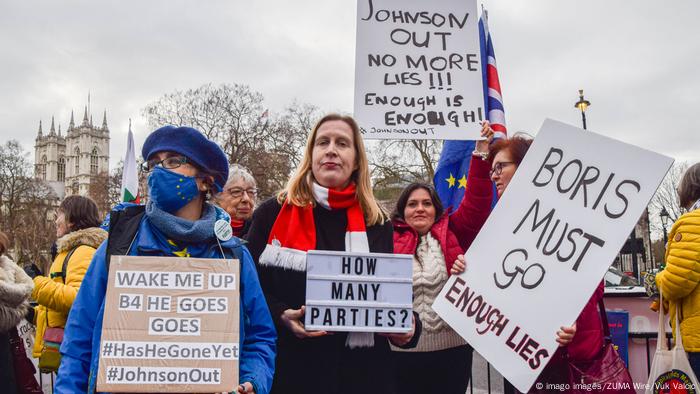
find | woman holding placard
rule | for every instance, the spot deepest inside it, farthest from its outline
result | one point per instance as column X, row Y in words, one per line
column 583, row 341
column 327, row 205
column 434, row 238
column 178, row 221
column 678, row 282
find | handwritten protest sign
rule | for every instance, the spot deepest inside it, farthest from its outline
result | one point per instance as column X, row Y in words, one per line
column 418, row 69
column 365, row 292
column 547, row 244
column 171, row 325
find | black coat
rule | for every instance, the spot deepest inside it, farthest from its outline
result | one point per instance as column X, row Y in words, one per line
column 7, row 370
column 323, row 364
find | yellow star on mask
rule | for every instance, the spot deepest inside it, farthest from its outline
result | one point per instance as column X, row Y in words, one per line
column 450, row 180
column 179, row 253
column 463, row 182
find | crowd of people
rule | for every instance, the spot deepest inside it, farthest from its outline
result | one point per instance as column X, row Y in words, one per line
column 327, row 204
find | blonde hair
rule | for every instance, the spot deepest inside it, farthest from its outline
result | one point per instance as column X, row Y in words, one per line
column 298, row 190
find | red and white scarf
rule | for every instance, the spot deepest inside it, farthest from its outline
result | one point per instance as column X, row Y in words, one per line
column 294, row 231
column 294, row 234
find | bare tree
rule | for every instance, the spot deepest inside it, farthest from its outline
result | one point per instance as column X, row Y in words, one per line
column 396, row 162
column 667, row 197
column 232, row 115
column 26, row 205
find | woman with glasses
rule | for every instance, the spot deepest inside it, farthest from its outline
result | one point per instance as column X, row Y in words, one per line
column 184, row 168
column 441, row 361
column 582, row 341
column 238, row 199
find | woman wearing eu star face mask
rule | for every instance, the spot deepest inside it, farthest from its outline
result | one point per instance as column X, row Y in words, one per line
column 184, row 166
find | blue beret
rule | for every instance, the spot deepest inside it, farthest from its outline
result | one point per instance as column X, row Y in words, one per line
column 191, row 143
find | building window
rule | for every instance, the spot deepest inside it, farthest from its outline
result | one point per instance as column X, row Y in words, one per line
column 62, row 169
column 76, row 187
column 93, row 162
column 77, row 161
column 42, row 168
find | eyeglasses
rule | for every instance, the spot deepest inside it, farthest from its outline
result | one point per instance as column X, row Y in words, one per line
column 498, row 168
column 237, row 192
column 168, row 163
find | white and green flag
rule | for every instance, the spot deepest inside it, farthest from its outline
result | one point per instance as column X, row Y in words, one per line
column 130, row 179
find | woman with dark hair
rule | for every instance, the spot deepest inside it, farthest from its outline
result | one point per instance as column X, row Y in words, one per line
column 441, row 361
column 679, row 281
column 79, row 235
column 328, row 204
column 184, row 168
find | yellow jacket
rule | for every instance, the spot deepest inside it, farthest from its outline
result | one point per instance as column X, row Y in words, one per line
column 53, row 296
column 679, row 281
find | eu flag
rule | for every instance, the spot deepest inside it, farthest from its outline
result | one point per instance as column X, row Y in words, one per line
column 451, row 173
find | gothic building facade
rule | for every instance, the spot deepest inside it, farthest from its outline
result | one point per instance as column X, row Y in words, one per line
column 69, row 163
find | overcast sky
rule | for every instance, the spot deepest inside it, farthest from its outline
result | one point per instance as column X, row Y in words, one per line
column 637, row 62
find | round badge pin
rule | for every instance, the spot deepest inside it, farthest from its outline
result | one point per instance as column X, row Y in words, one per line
column 222, row 229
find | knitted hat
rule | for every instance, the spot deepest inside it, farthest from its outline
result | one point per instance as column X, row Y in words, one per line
column 191, row 143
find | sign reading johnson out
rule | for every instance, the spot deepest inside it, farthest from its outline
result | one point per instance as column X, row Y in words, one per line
column 418, row 69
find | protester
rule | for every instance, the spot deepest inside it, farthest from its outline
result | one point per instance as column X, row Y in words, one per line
column 184, row 167
column 78, row 233
column 16, row 371
column 327, row 205
column 583, row 340
column 678, row 282
column 238, row 199
column 441, row 361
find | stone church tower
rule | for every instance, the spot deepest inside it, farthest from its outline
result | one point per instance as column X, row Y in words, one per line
column 69, row 162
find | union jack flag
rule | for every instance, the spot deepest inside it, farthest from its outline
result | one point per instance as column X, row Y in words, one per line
column 451, row 173
column 494, row 100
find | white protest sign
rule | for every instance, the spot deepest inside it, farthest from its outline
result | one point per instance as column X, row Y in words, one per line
column 171, row 324
column 361, row 292
column 547, row 244
column 418, row 69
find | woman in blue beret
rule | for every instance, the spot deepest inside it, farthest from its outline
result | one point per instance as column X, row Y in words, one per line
column 184, row 168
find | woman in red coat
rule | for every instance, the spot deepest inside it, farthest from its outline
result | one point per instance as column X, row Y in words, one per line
column 435, row 238
column 582, row 341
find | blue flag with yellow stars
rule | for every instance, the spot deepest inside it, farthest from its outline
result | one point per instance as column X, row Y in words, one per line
column 451, row 174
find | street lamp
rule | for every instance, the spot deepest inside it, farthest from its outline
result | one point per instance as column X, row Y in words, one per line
column 664, row 222
column 582, row 104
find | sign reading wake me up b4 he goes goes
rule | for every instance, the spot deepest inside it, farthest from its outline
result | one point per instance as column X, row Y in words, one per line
column 171, row 324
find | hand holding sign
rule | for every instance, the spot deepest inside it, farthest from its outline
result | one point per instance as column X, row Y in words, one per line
column 459, row 265
column 402, row 338
column 292, row 320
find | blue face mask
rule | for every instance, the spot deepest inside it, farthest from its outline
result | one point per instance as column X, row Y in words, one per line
column 171, row 191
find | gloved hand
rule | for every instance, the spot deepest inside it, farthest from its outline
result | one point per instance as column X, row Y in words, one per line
column 32, row 270
column 30, row 315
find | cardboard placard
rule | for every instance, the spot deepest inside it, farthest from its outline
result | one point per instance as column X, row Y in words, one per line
column 566, row 213
column 171, row 324
column 360, row 292
column 418, row 69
